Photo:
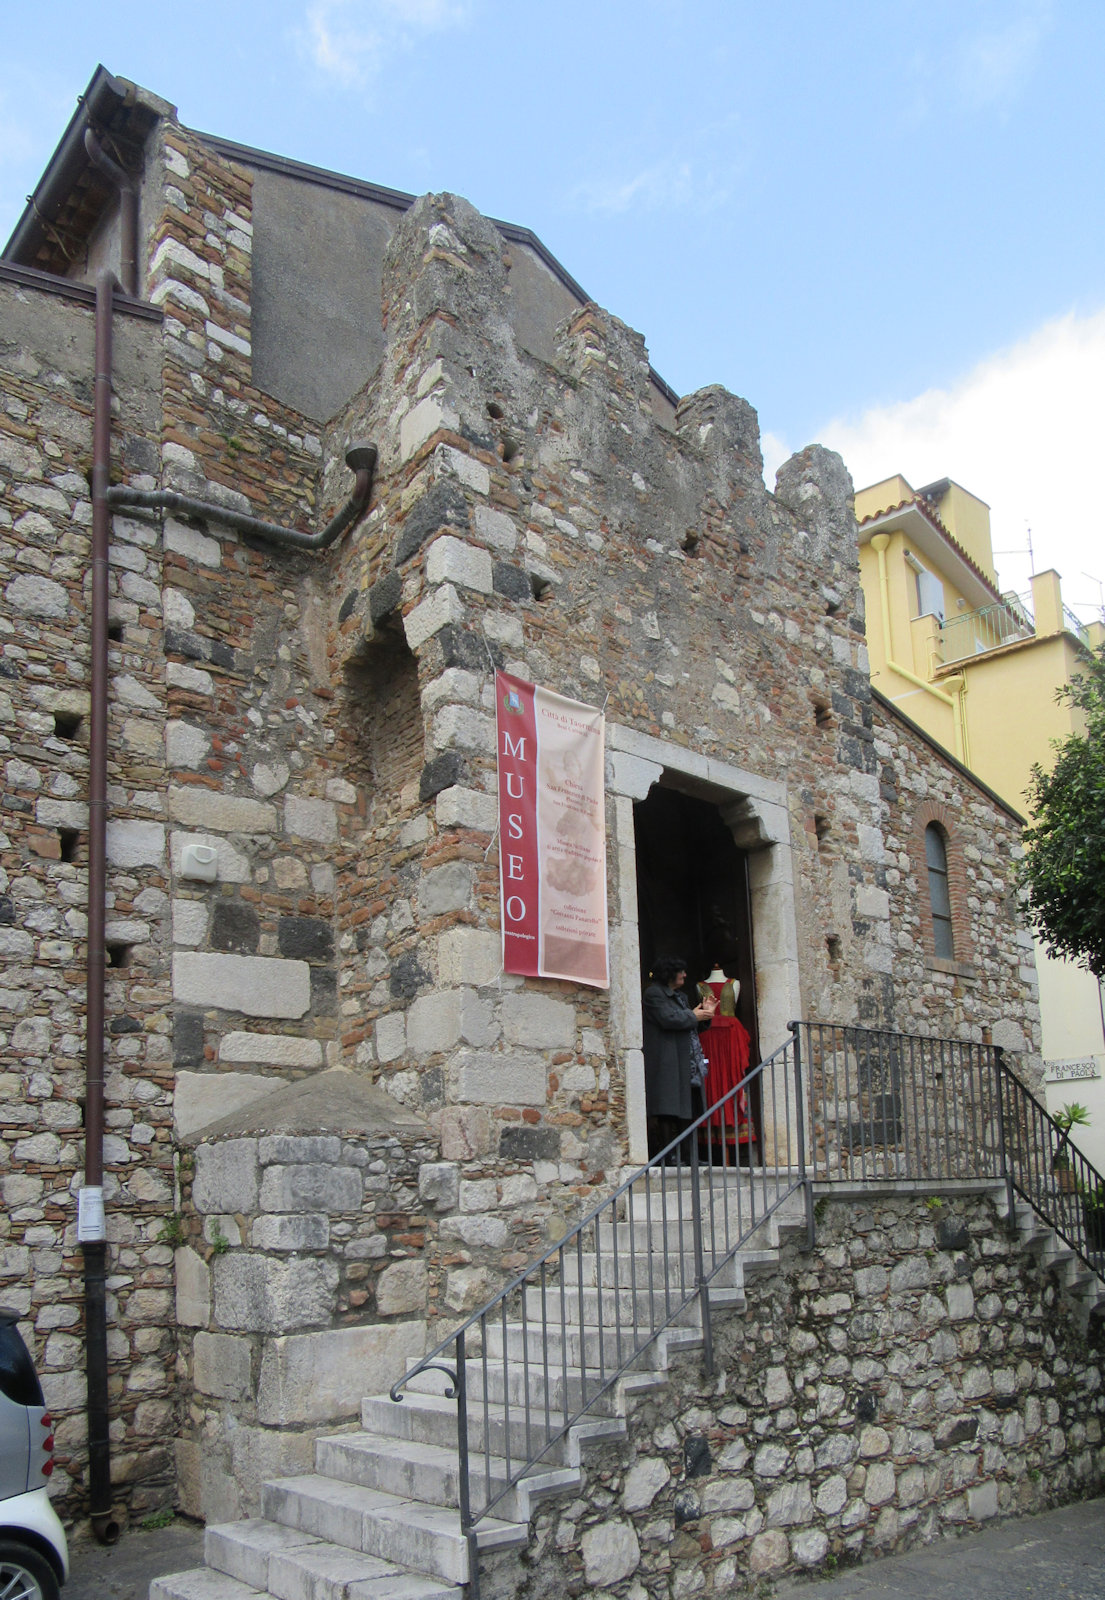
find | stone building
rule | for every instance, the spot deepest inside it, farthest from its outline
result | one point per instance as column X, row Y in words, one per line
column 332, row 1122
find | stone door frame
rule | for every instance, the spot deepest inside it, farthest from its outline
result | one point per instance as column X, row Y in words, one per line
column 755, row 810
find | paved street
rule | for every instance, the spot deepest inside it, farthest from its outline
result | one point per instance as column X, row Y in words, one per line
column 1057, row 1556
column 125, row 1570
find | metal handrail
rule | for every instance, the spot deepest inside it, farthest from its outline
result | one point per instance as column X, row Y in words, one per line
column 836, row 1103
column 564, row 1361
column 885, row 1104
column 1051, row 1174
column 988, row 628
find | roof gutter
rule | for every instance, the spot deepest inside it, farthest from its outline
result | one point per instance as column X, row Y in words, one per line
column 103, row 97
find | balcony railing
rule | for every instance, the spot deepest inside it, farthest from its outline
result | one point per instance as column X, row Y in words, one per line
column 975, row 632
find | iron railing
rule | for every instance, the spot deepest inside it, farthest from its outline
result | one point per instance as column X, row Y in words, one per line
column 1055, row 1178
column 1076, row 626
column 834, row 1104
column 540, row 1356
column 898, row 1105
column 975, row 632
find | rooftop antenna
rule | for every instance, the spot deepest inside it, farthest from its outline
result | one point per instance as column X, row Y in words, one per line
column 1020, row 552
column 1100, row 593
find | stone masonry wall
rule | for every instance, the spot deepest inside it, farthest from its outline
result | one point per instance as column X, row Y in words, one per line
column 913, row 1377
column 537, row 517
column 993, row 946
column 46, row 368
column 303, row 813
column 292, row 1240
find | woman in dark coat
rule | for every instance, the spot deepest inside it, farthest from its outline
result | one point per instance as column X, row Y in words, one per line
column 669, row 1023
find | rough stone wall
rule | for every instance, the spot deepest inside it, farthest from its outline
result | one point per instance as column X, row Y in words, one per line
column 293, row 1240
column 989, row 991
column 913, row 1377
column 46, row 349
column 322, row 725
column 536, row 517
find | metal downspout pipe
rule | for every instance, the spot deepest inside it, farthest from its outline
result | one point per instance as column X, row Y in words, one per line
column 90, row 1218
column 91, row 1232
column 359, row 458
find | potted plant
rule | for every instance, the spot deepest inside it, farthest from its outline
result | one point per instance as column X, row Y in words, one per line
column 1072, row 1115
column 1093, row 1215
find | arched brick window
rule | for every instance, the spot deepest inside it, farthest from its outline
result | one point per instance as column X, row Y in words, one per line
column 940, row 903
column 941, row 877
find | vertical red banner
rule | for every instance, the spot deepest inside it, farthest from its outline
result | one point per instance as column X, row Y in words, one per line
column 552, row 834
column 519, row 872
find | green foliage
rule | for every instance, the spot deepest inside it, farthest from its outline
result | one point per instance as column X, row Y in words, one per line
column 220, row 1244
column 159, row 1519
column 172, row 1231
column 1072, row 1115
column 1064, row 864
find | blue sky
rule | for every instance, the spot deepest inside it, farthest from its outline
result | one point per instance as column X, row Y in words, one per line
column 882, row 223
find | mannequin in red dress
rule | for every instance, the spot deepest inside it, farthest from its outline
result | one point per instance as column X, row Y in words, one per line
column 725, row 1044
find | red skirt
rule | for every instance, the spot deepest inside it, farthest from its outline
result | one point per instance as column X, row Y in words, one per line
column 725, row 1046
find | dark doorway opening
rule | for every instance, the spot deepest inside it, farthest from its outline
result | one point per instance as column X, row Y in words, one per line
column 693, row 895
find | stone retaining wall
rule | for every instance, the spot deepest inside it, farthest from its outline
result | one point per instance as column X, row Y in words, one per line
column 915, row 1376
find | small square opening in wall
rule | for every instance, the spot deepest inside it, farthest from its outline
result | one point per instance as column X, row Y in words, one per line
column 822, row 714
column 69, row 840
column 832, row 945
column 118, row 955
column 67, row 724
column 115, row 632
column 822, row 829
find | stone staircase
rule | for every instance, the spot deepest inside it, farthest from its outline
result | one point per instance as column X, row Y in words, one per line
column 1083, row 1287
column 378, row 1518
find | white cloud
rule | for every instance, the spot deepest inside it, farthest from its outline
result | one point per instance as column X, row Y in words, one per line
column 667, row 183
column 1023, row 430
column 350, row 40
column 701, row 178
column 993, row 65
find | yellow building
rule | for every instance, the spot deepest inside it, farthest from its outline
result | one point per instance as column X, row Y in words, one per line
column 978, row 670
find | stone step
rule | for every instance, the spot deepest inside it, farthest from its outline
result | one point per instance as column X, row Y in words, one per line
column 430, row 1473
column 674, row 1237
column 289, row 1565
column 618, row 1268
column 432, row 1419
column 720, row 1191
column 514, row 1383
column 425, row 1539
column 613, row 1308
column 201, row 1584
column 596, row 1348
